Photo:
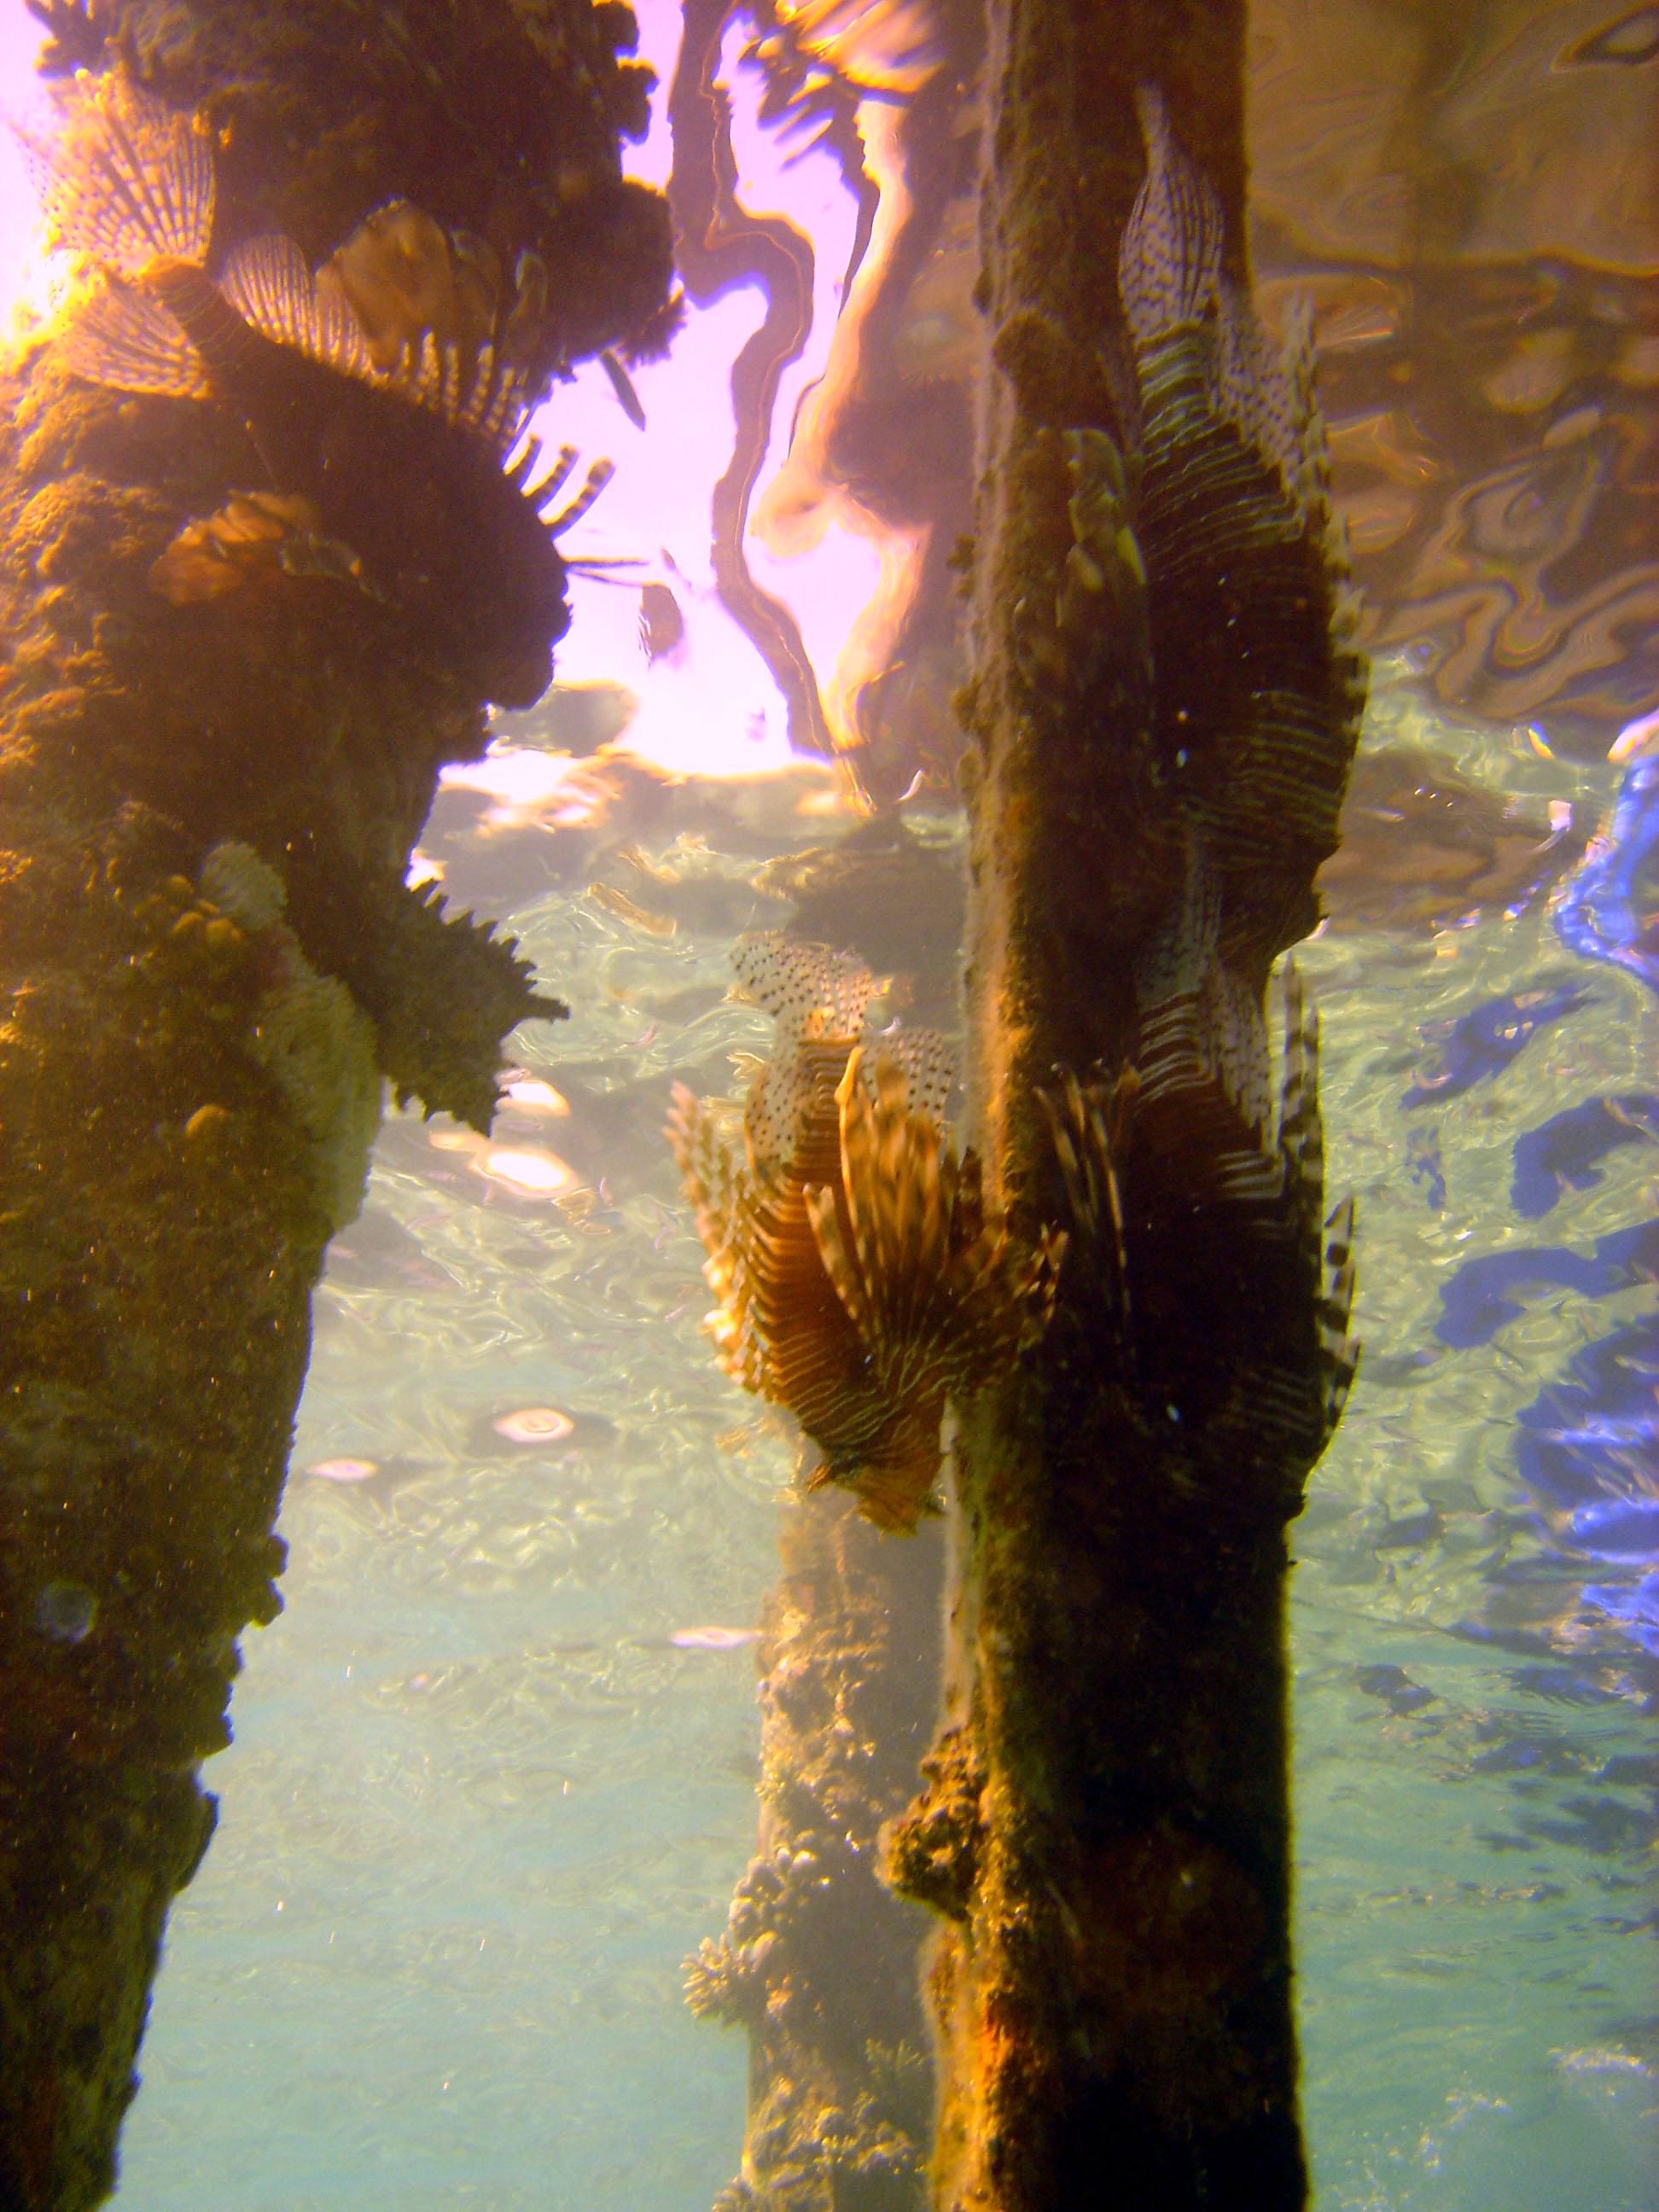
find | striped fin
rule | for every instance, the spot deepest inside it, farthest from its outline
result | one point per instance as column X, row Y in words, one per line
column 129, row 182
column 1086, row 1125
column 1170, row 259
column 1189, row 1120
column 791, row 1103
column 268, row 283
column 1328, row 1237
column 123, row 336
column 1201, row 1111
column 938, row 1295
column 479, row 392
column 893, row 1482
column 791, row 1337
column 1267, row 390
column 1338, row 1351
column 520, row 469
column 1301, row 1125
column 494, row 406
column 704, row 1164
column 887, row 1257
column 1201, row 350
column 599, row 475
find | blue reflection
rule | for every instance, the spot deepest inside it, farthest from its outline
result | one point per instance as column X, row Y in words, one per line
column 1481, row 1043
column 1486, row 1294
column 1561, row 1154
column 1599, row 916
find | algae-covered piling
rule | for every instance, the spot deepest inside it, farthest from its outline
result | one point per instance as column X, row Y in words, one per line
column 1161, row 710
column 1128, row 1288
column 233, row 496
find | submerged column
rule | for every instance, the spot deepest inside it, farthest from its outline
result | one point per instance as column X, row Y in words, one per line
column 1163, row 709
column 818, row 1963
column 263, row 566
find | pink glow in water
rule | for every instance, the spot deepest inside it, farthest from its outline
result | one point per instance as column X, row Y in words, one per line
column 715, row 711
column 22, row 100
column 534, row 1425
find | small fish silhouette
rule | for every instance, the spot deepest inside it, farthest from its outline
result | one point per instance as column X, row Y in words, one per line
column 402, row 464
column 662, row 626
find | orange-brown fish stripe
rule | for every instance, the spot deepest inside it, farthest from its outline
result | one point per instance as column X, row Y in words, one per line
column 861, row 1284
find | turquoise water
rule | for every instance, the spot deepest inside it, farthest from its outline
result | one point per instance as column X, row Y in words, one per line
column 479, row 1807
column 481, row 1803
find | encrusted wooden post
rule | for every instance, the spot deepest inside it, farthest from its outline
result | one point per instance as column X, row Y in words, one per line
column 262, row 568
column 818, row 1963
column 1162, row 713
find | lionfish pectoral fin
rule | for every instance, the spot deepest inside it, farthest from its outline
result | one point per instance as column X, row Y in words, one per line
column 267, row 282
column 123, row 337
column 895, row 1500
column 809, row 988
column 1169, row 261
column 129, row 182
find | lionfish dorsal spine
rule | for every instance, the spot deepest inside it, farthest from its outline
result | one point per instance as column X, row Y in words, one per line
column 566, row 518
column 521, row 470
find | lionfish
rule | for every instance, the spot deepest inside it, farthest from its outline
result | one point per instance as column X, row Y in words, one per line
column 860, row 1281
column 1205, row 590
column 382, row 399
column 1257, row 1386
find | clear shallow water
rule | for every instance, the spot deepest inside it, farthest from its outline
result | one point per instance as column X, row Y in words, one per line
column 480, row 1805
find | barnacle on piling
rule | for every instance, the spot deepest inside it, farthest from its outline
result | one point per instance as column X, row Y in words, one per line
column 861, row 1282
column 255, row 536
column 724, row 1978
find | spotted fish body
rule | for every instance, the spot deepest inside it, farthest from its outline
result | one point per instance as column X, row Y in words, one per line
column 404, row 466
column 858, row 1282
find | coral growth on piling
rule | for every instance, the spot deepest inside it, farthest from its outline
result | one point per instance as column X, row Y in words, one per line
column 274, row 412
